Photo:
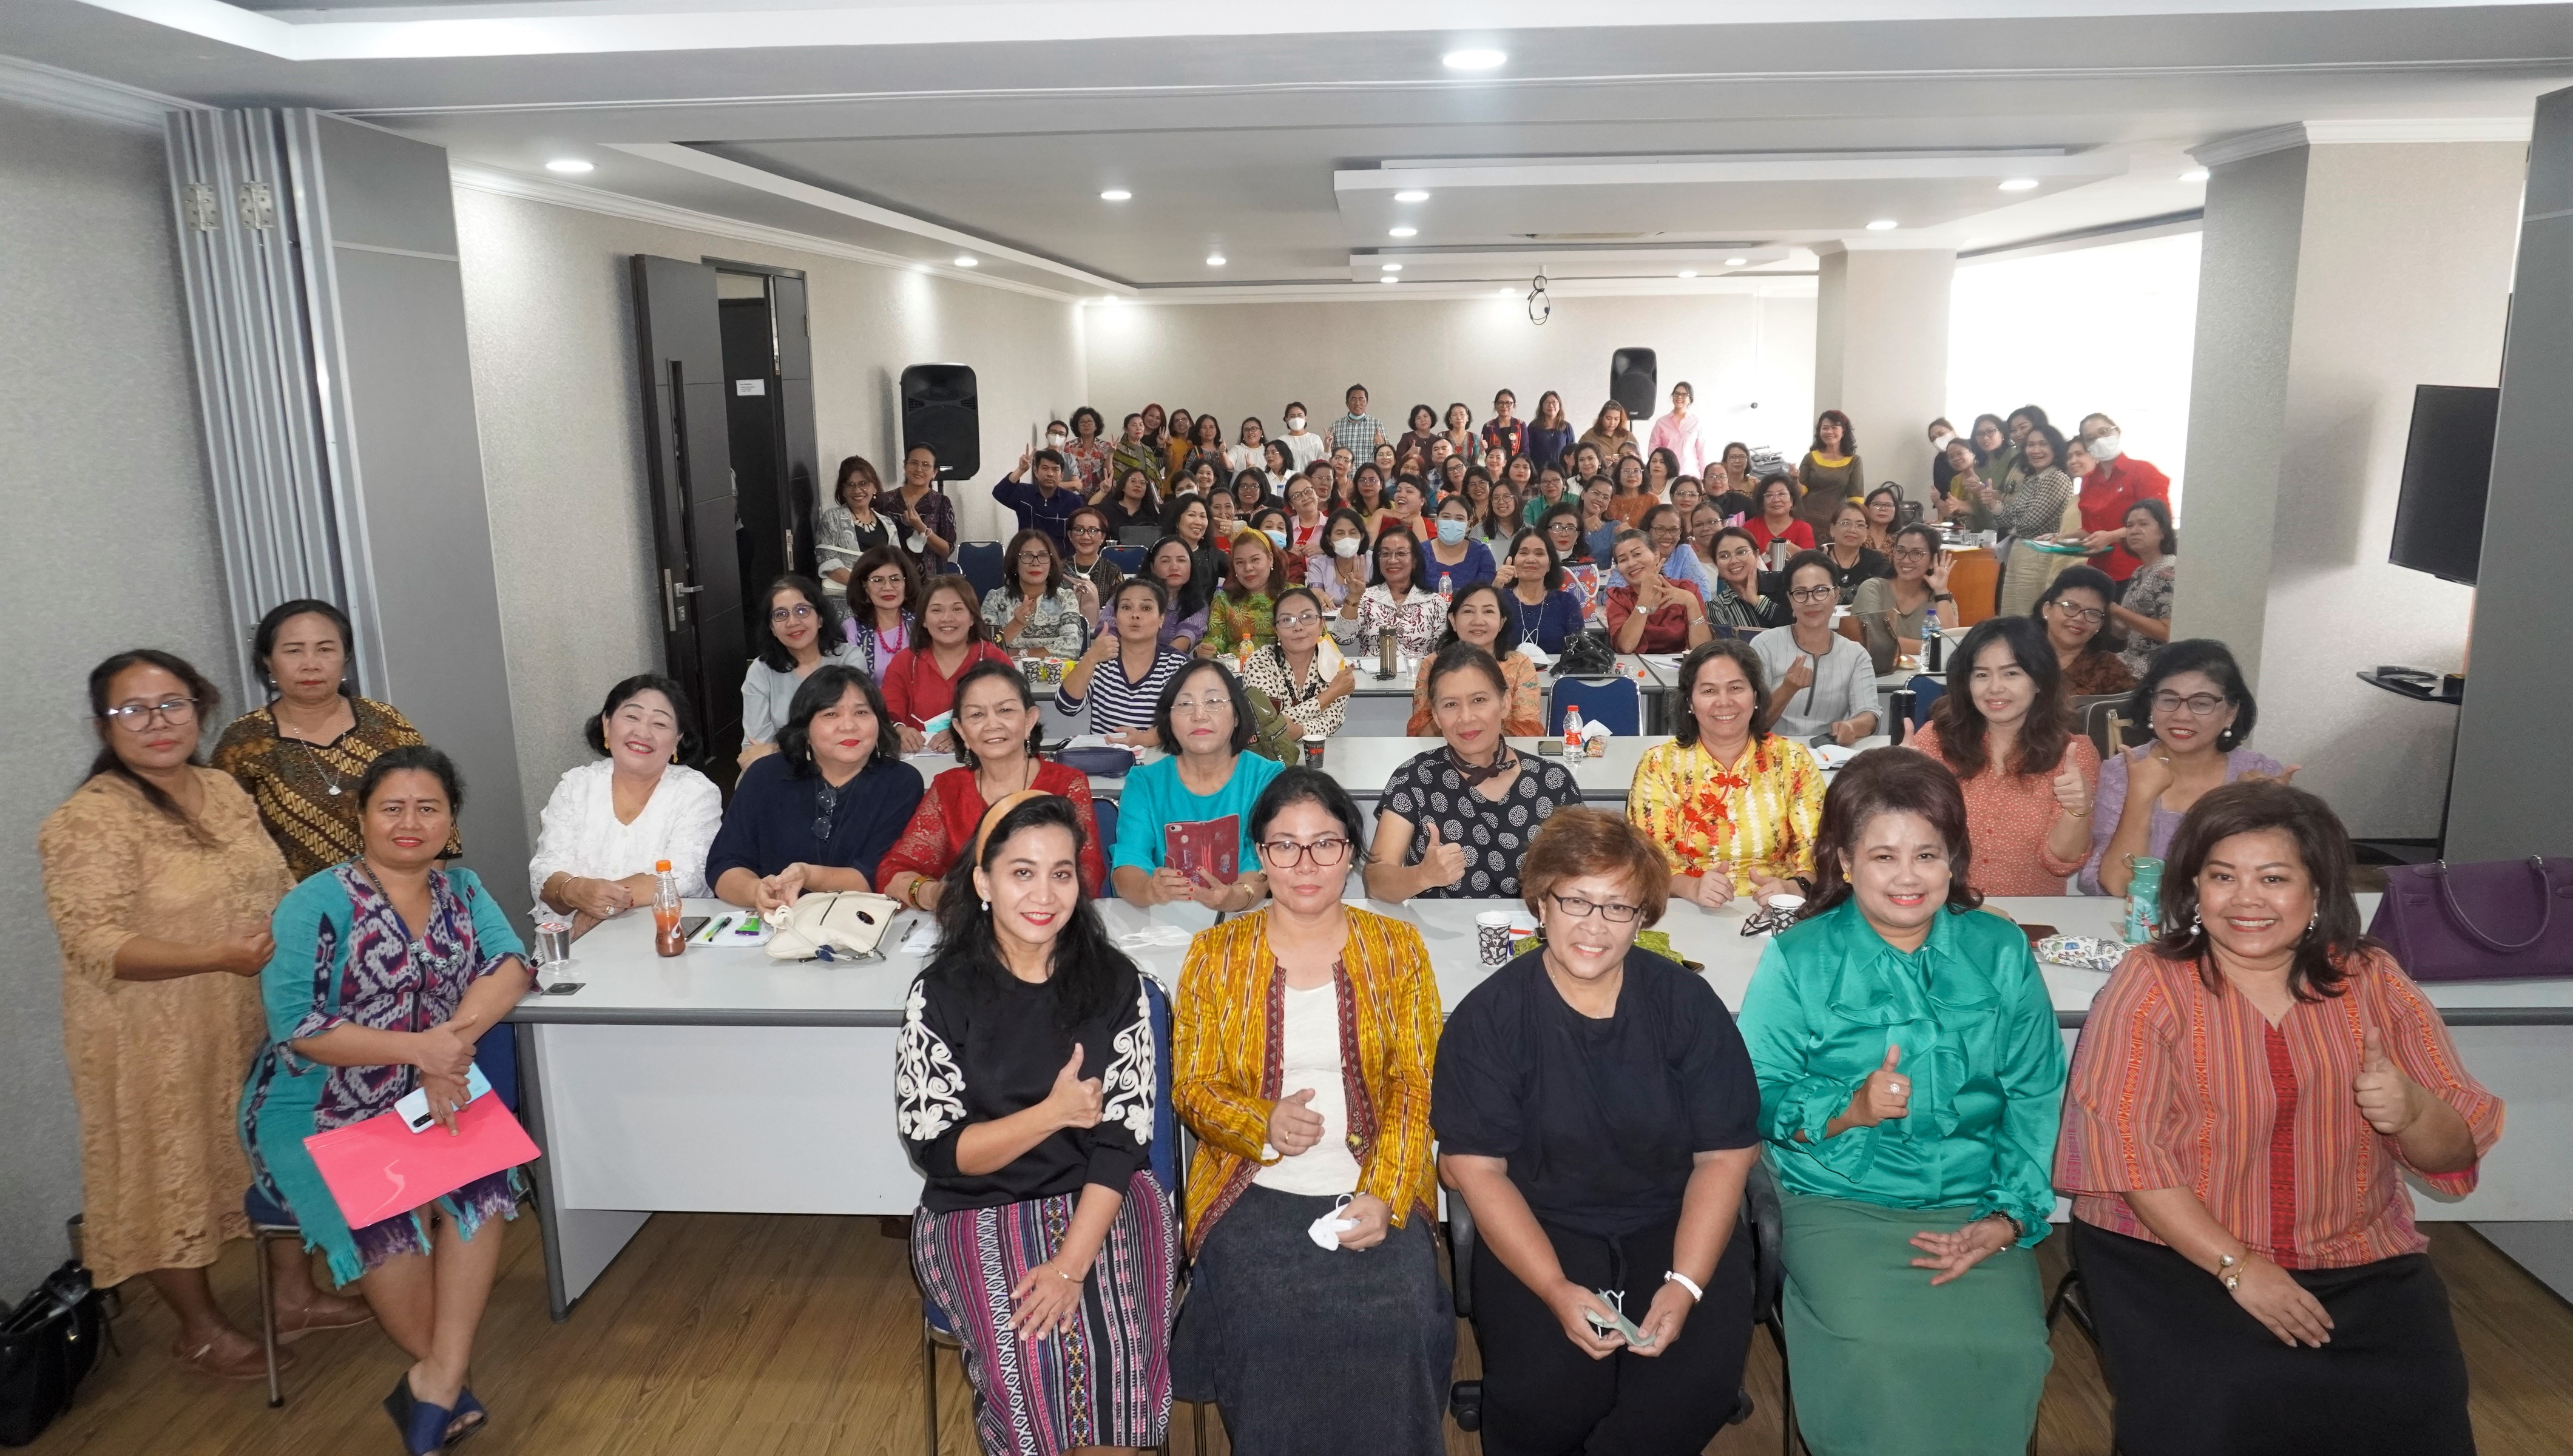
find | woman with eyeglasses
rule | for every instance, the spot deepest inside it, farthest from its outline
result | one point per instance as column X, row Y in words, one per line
column 1242, row 617
column 1633, row 496
column 1746, row 597
column 1396, row 601
column 1303, row 673
column 919, row 683
column 2027, row 770
column 880, row 624
column 1595, row 1109
column 2074, row 613
column 2037, row 510
column 161, row 879
column 1088, row 571
column 1455, row 821
column 2201, row 711
column 301, row 755
column 1891, row 614
column 1480, row 616
column 1305, row 1031
column 803, row 635
column 1035, row 613
column 1732, row 809
column 1884, row 506
column 1728, row 482
column 1250, row 494
column 1455, row 560
column 1911, row 1080
column 1024, row 1090
column 850, row 526
column 1087, row 452
column 1826, row 682
column 819, row 813
column 1207, row 779
column 1665, row 527
column 1852, row 559
column 997, row 728
column 1652, row 612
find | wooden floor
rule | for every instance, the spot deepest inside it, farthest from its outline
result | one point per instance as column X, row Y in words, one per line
column 797, row 1336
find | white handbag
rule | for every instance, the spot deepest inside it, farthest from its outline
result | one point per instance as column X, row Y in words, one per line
column 843, row 925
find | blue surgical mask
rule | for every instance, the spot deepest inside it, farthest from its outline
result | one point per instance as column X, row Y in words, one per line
column 1276, row 539
column 1451, row 532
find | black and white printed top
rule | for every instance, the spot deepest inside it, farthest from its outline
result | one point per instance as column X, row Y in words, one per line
column 976, row 1048
column 1494, row 832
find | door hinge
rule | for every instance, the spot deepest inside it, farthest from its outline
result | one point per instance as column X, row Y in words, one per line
column 790, row 548
column 198, row 209
column 258, row 204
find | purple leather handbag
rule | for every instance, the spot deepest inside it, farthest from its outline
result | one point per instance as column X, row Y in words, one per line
column 2503, row 920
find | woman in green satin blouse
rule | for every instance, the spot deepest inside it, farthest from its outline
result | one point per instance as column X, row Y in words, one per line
column 1910, row 1078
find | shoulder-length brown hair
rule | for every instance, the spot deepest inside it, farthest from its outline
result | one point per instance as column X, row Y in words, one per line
column 1889, row 781
column 2043, row 735
column 2248, row 807
column 857, row 467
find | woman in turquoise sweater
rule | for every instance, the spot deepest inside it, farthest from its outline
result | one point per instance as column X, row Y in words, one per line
column 387, row 971
column 1911, row 1077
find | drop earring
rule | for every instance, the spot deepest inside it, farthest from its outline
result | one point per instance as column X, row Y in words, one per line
column 2196, row 927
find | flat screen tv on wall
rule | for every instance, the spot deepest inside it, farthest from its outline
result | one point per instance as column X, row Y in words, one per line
column 2447, row 466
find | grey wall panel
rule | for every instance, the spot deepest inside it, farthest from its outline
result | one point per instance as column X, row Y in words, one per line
column 385, row 191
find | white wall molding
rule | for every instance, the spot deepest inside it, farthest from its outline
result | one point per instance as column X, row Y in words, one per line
column 2367, row 130
column 634, row 209
column 54, row 89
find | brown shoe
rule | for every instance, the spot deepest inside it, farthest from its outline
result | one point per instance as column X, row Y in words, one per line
column 326, row 1312
column 237, row 1357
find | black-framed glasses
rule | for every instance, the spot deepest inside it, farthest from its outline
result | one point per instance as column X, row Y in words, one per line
column 1286, row 854
column 2090, row 617
column 1910, row 554
column 1088, row 530
column 1813, row 593
column 1036, row 558
column 826, row 812
column 135, row 717
column 1608, row 910
column 2199, row 705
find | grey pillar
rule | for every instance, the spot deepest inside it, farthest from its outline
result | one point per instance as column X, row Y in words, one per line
column 1881, row 353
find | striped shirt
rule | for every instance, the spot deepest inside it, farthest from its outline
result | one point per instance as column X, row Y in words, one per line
column 2177, row 1084
column 1118, row 702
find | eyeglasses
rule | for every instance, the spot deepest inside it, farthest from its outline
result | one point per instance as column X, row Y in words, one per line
column 136, row 717
column 1036, row 558
column 886, row 578
column 826, row 808
column 1609, row 910
column 1813, row 593
column 1210, row 704
column 1286, row 854
column 2199, row 705
column 1088, row 530
column 790, row 615
column 1300, row 619
column 1911, row 554
column 2093, row 616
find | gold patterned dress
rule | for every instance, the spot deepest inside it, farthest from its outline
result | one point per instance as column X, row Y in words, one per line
column 294, row 782
column 1757, row 814
column 157, row 1066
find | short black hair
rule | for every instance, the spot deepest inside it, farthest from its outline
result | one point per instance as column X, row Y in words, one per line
column 827, row 634
column 1800, row 561
column 595, row 731
column 1393, row 530
column 1355, row 389
column 2206, row 655
column 2080, row 577
column 828, row 684
column 2161, row 512
column 263, row 640
column 1244, row 729
column 1054, row 456
column 988, row 668
column 1739, row 653
column 1556, row 576
column 1297, row 784
column 411, row 757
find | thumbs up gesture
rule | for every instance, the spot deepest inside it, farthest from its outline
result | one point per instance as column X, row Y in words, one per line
column 2382, row 1092
column 1884, row 1096
column 1442, row 863
column 2071, row 791
column 1294, row 1126
column 1074, row 1101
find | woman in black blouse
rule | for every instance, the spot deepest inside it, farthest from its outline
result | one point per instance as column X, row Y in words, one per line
column 1455, row 821
column 1024, row 1080
column 822, row 810
column 1852, row 559
column 1595, row 1109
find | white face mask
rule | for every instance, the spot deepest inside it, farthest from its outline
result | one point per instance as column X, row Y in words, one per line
column 2107, row 447
column 1294, row 421
column 1939, row 443
column 1345, row 547
column 1056, row 440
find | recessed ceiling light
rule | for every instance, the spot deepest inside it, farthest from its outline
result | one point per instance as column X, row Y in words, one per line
column 1506, row 292
column 1883, row 224
column 965, row 260
column 1415, row 195
column 1115, row 194
column 569, row 166
column 2020, row 183
column 1688, row 272
column 1388, row 278
column 1402, row 232
column 1735, row 261
column 1215, row 260
column 1472, row 60
column 2195, row 174
column 1393, row 268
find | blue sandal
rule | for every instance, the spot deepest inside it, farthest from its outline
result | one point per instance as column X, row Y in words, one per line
column 465, row 1407
column 422, row 1425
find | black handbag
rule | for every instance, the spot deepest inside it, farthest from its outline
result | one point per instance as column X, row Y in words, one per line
column 47, row 1344
column 1588, row 653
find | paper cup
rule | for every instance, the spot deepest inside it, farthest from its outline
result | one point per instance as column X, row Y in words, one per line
column 1493, row 938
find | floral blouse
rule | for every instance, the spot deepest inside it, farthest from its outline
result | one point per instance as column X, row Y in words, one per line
column 1416, row 621
column 1057, row 630
column 1266, row 673
column 1758, row 814
column 1237, row 625
column 2148, row 594
column 1089, row 459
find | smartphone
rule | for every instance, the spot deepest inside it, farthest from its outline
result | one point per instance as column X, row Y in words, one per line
column 561, row 988
column 413, row 1106
column 692, row 924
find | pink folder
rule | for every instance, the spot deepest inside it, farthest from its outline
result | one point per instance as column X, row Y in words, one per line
column 378, row 1167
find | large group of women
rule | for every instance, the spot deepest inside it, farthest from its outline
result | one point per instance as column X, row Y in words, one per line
column 284, row 935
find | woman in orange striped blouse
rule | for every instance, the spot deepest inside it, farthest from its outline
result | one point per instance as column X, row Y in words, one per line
column 1303, row 1033
column 2248, row 1095
column 1732, row 809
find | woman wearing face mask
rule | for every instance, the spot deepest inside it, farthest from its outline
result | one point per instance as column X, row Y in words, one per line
column 2201, row 712
column 1745, row 596
column 1303, row 673
column 1203, row 725
column 1852, row 559
column 2027, row 770
column 1455, row 821
column 1130, row 503
column 1138, row 451
column 1242, row 617
column 607, row 823
column 1911, row 1077
column 1479, row 616
column 919, row 682
column 819, row 813
column 1596, row 1111
column 1119, row 677
column 1609, row 433
column 1339, row 573
column 2145, row 608
column 803, row 634
column 1890, row 614
column 1941, row 432
column 2253, row 1301
column 1732, row 809
column 1831, row 472
column 1456, row 560
column 928, row 517
column 1396, row 601
column 1087, row 452
column 1024, row 1092
column 1334, row 1008
column 850, row 526
column 1536, row 593
column 1826, row 682
column 2075, row 614
column 2111, row 492
column 1650, row 613
column 997, row 727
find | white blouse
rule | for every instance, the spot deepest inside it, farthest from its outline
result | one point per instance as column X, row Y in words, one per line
column 1310, row 1057
column 580, row 834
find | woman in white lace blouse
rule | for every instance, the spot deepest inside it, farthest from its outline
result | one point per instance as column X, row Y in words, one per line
column 608, row 821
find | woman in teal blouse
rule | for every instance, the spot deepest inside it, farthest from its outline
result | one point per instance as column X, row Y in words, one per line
column 1910, row 1079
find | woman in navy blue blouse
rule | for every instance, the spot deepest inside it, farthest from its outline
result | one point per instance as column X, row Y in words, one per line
column 1537, row 592
column 822, row 810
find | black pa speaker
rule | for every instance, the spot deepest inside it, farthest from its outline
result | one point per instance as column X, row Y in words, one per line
column 1630, row 381
column 940, row 411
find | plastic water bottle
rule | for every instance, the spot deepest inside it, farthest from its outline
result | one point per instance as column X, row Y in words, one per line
column 1446, row 588
column 1934, row 648
column 1572, row 729
column 666, row 938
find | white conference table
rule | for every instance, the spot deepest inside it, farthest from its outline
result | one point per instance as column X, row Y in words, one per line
column 725, row 1081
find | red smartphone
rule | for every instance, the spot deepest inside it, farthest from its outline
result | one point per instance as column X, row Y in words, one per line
column 1209, row 849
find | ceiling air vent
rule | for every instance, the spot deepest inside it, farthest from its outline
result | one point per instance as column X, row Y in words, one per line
column 1586, row 236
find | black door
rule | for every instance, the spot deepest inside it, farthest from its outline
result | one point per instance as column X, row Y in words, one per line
column 801, row 471
column 768, row 530
column 695, row 525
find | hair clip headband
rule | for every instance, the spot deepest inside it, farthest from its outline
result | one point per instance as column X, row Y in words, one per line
column 1000, row 810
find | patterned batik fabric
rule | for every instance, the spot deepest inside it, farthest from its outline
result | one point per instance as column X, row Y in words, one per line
column 1495, row 833
column 294, row 782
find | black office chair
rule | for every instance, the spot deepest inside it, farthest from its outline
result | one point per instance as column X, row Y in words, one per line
column 1759, row 1224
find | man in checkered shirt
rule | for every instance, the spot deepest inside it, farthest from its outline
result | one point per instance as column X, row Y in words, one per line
column 1357, row 431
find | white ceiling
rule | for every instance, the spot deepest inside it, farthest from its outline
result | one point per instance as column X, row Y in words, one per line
column 1619, row 151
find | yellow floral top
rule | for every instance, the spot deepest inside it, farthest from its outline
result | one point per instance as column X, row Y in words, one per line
column 1757, row 814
